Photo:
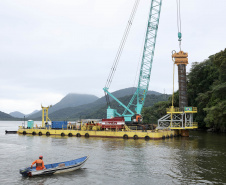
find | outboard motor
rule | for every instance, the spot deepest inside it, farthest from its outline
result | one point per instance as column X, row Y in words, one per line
column 25, row 172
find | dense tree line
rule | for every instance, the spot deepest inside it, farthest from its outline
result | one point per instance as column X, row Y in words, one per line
column 152, row 114
column 207, row 91
column 206, row 85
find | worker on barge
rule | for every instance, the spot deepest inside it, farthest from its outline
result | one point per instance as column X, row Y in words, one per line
column 39, row 163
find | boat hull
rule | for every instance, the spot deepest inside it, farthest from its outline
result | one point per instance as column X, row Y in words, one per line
column 54, row 170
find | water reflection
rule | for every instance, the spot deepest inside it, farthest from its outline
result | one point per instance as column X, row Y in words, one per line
column 194, row 160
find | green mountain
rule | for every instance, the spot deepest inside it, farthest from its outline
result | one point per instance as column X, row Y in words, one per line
column 130, row 91
column 4, row 116
column 102, row 111
column 87, row 110
column 97, row 109
column 17, row 114
column 70, row 100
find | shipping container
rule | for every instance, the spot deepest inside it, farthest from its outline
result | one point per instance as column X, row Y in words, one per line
column 59, row 124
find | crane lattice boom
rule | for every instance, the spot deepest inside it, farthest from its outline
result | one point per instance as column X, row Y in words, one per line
column 146, row 64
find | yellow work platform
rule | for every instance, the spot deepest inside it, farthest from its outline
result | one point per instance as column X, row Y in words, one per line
column 133, row 134
column 177, row 119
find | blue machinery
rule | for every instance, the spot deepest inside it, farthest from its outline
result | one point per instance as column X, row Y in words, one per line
column 146, row 64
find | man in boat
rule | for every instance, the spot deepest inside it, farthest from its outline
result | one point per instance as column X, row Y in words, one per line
column 39, row 163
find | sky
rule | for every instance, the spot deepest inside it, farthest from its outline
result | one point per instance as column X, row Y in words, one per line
column 49, row 48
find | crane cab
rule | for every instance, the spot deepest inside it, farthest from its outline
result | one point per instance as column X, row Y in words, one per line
column 137, row 119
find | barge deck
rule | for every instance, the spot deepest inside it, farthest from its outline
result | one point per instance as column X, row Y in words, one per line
column 132, row 134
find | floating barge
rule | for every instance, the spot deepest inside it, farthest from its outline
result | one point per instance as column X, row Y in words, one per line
column 132, row 134
column 107, row 128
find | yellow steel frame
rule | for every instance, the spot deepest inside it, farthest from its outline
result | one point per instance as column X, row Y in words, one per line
column 178, row 119
column 176, row 110
column 45, row 115
column 176, row 126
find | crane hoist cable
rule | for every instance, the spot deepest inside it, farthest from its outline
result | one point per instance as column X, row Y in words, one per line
column 120, row 49
column 122, row 43
column 179, row 39
column 179, row 23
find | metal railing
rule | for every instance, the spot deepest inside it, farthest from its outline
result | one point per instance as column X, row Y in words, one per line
column 176, row 109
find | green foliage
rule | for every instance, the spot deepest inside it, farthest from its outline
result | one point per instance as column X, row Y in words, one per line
column 152, row 114
column 207, row 91
column 216, row 106
column 216, row 116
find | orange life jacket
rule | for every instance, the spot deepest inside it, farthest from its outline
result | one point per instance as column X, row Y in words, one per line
column 39, row 164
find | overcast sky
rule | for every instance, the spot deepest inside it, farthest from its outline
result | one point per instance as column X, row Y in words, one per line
column 49, row 48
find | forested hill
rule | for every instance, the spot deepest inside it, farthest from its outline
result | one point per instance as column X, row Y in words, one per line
column 206, row 91
column 71, row 110
column 4, row 116
column 98, row 109
column 70, row 100
column 77, row 105
column 17, row 114
column 102, row 111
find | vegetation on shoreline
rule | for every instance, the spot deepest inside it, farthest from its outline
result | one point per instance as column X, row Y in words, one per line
column 206, row 87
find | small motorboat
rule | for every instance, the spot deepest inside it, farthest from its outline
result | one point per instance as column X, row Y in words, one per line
column 55, row 167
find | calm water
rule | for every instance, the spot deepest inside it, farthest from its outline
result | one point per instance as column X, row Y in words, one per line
column 199, row 159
